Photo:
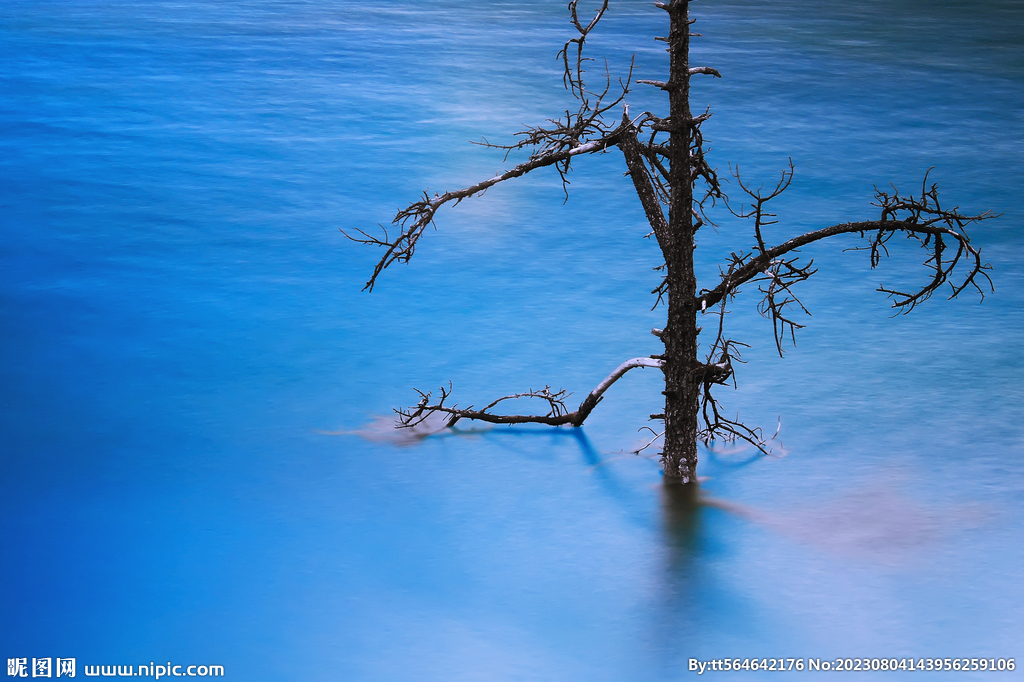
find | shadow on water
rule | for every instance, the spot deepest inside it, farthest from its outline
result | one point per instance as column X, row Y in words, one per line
column 693, row 601
column 734, row 457
column 683, row 584
column 611, row 485
column 681, row 510
column 689, row 527
column 382, row 430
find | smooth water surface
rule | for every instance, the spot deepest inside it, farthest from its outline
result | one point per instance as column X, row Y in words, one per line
column 192, row 382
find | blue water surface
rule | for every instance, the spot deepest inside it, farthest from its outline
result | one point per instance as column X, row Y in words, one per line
column 193, row 386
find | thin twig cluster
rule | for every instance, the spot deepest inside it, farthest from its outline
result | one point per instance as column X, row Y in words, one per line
column 935, row 229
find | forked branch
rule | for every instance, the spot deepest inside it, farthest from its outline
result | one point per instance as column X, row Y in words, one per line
column 935, row 229
column 573, row 75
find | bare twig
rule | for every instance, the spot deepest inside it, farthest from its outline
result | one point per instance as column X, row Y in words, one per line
column 658, row 435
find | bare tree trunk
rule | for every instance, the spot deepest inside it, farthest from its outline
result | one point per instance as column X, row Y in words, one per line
column 680, row 336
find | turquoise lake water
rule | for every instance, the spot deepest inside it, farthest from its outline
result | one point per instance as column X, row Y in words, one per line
column 193, row 465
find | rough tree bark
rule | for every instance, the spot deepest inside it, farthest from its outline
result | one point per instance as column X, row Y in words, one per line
column 679, row 455
column 665, row 160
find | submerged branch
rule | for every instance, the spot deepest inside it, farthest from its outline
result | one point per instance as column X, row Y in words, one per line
column 557, row 414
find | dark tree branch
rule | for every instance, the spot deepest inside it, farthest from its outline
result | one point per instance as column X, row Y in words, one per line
column 701, row 169
column 641, row 176
column 920, row 219
column 557, row 414
column 575, row 83
column 415, row 218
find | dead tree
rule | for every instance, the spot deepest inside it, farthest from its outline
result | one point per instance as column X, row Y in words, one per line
column 664, row 157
